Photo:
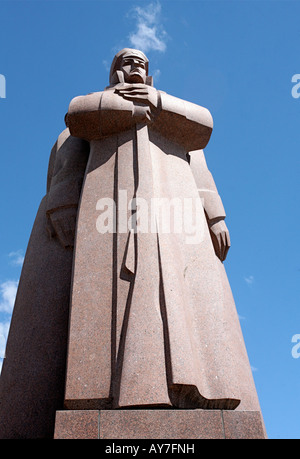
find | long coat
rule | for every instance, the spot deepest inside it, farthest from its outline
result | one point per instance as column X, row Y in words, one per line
column 152, row 318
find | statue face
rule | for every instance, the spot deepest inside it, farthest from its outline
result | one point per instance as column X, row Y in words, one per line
column 134, row 69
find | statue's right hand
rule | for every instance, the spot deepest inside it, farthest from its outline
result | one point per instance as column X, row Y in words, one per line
column 144, row 98
column 140, row 93
column 62, row 224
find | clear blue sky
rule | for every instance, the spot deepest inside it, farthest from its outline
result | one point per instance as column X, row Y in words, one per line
column 236, row 58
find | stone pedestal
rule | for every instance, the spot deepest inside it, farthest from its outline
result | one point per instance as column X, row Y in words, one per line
column 158, row 424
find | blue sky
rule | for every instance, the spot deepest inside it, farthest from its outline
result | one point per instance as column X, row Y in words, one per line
column 237, row 58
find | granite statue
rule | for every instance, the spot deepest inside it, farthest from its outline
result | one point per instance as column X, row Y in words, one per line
column 112, row 311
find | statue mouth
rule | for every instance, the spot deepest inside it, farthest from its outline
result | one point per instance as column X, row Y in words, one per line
column 135, row 72
column 136, row 77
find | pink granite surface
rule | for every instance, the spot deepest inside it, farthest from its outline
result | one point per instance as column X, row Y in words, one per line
column 159, row 424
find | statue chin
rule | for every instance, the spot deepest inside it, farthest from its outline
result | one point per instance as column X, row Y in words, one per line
column 135, row 78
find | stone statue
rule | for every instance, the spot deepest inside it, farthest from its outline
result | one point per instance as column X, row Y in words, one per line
column 141, row 315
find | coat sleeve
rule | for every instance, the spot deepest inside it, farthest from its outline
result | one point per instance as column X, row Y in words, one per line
column 66, row 171
column 207, row 189
column 99, row 114
column 183, row 122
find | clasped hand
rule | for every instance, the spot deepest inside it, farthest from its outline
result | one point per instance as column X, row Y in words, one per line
column 145, row 100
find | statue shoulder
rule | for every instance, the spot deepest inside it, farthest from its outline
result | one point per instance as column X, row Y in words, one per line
column 63, row 136
column 88, row 102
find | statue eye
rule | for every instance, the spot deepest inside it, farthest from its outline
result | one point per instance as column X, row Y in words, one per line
column 131, row 62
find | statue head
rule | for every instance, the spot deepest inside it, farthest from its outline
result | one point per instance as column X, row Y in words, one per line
column 129, row 66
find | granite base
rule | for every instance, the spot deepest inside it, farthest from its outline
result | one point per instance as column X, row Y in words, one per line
column 158, row 424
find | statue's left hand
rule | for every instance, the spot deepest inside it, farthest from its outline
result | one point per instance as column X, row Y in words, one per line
column 62, row 224
column 220, row 239
column 139, row 92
